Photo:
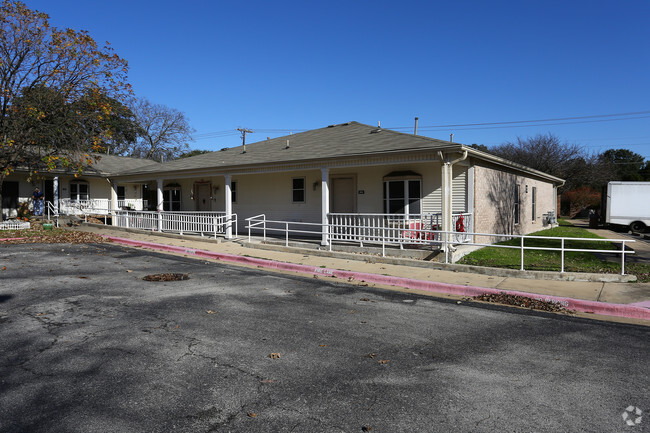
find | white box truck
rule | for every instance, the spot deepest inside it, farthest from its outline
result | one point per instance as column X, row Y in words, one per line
column 628, row 204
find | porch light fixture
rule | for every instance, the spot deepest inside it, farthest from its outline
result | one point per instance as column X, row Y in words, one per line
column 315, row 185
column 192, row 194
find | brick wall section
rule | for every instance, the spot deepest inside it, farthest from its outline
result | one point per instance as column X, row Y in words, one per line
column 494, row 193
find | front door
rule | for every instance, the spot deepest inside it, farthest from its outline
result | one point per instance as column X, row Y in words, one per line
column 9, row 198
column 203, row 202
column 49, row 190
column 343, row 197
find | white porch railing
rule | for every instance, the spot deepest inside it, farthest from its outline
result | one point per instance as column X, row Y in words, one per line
column 392, row 228
column 99, row 206
column 177, row 222
column 14, row 225
column 132, row 204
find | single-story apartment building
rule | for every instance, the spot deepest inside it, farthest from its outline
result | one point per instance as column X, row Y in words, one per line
column 340, row 171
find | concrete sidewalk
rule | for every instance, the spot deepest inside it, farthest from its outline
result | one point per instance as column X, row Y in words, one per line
column 634, row 295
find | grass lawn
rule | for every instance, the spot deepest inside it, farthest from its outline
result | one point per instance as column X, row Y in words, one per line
column 551, row 260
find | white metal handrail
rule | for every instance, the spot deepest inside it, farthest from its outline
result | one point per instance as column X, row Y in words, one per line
column 52, row 211
column 445, row 239
column 266, row 225
column 522, row 247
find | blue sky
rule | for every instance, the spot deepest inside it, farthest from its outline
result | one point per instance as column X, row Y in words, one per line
column 291, row 66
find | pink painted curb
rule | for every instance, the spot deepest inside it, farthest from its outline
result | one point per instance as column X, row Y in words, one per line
column 11, row 239
column 619, row 310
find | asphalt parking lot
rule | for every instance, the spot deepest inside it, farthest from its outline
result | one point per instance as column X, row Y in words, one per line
column 88, row 346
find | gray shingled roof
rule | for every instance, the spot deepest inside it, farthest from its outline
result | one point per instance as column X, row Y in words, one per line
column 346, row 140
column 335, row 141
column 110, row 164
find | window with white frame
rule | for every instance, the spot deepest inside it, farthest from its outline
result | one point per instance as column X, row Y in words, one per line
column 233, row 191
column 79, row 191
column 121, row 193
column 534, row 201
column 402, row 193
column 298, row 190
column 172, row 197
column 516, row 203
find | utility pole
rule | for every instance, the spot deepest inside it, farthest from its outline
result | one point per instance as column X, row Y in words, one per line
column 244, row 131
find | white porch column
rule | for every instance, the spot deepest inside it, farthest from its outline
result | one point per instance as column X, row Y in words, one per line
column 55, row 186
column 113, row 201
column 113, row 196
column 159, row 202
column 325, row 203
column 446, row 196
column 228, row 205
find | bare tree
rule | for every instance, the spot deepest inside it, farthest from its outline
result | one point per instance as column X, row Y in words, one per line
column 164, row 132
column 546, row 153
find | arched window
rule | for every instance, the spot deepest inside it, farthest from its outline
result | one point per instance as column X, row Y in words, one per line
column 79, row 190
column 403, row 193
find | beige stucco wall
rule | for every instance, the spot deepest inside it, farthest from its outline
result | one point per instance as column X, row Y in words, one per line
column 494, row 192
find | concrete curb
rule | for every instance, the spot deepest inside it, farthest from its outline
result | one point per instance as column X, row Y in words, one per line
column 595, row 307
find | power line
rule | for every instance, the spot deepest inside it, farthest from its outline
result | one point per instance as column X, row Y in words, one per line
column 597, row 118
column 440, row 128
column 593, row 116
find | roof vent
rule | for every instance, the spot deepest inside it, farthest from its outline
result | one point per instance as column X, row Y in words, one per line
column 287, row 146
column 223, row 148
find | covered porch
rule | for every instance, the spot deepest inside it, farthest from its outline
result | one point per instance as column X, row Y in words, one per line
column 401, row 200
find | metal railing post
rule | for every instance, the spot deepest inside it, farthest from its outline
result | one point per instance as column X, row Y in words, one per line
column 383, row 241
column 446, row 247
column 286, row 229
column 562, row 256
column 623, row 258
column 522, row 253
column 329, row 236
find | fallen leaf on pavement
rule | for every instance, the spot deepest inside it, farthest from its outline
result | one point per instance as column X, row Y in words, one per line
column 274, row 355
column 210, row 312
column 383, row 361
column 252, row 414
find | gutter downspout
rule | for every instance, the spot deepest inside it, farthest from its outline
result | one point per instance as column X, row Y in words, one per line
column 555, row 209
column 447, row 178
